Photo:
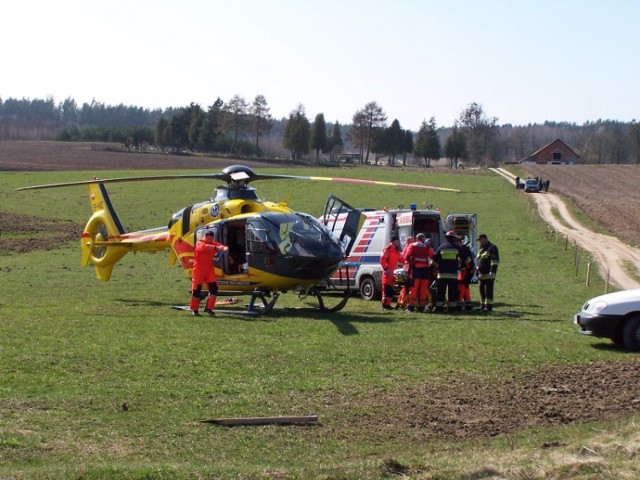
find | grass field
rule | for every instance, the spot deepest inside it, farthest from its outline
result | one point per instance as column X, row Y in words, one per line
column 105, row 381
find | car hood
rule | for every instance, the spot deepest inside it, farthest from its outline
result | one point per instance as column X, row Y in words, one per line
column 618, row 302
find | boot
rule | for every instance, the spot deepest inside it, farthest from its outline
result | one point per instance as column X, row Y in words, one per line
column 194, row 305
column 211, row 303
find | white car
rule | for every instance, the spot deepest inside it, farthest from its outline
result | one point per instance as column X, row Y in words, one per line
column 615, row 316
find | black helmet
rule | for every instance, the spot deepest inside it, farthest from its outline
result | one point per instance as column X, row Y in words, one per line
column 451, row 235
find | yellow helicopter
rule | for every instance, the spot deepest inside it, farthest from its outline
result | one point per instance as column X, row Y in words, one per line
column 272, row 248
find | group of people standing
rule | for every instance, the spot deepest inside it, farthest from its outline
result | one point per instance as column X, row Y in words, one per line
column 439, row 280
column 542, row 184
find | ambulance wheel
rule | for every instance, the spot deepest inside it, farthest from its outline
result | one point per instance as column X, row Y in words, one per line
column 368, row 289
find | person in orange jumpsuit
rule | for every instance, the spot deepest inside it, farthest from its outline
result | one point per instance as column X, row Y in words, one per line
column 403, row 297
column 389, row 261
column 204, row 272
column 465, row 274
column 419, row 257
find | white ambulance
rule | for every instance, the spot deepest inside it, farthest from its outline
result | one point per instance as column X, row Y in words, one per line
column 364, row 243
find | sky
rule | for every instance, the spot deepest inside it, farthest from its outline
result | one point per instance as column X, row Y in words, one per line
column 523, row 61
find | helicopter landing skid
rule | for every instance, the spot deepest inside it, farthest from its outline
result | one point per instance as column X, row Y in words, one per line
column 258, row 305
column 321, row 305
column 336, row 308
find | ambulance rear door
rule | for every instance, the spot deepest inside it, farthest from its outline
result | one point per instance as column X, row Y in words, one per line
column 404, row 222
column 465, row 224
column 428, row 222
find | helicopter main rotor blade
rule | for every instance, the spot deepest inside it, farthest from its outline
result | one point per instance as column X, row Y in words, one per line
column 238, row 176
column 217, row 176
column 372, row 182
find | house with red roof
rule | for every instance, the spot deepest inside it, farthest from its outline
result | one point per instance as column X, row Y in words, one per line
column 554, row 153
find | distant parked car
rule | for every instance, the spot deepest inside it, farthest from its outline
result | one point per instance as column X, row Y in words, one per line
column 531, row 185
column 615, row 316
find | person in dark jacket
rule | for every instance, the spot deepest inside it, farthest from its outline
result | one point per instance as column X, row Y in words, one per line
column 447, row 262
column 486, row 267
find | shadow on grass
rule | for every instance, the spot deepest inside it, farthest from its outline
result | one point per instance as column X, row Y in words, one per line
column 607, row 346
column 140, row 303
column 343, row 321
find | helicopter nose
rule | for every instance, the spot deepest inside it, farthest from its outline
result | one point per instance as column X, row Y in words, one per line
column 314, row 259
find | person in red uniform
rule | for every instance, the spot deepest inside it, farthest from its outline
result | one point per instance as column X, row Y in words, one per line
column 389, row 260
column 204, row 272
column 403, row 297
column 465, row 274
column 419, row 257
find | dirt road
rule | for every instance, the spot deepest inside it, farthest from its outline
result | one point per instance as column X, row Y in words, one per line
column 614, row 258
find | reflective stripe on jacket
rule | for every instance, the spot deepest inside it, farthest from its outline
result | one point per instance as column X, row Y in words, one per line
column 448, row 261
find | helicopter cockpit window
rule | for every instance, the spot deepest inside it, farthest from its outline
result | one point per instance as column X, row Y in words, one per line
column 258, row 238
column 199, row 233
column 295, row 233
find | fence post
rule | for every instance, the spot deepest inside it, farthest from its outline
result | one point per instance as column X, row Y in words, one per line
column 588, row 274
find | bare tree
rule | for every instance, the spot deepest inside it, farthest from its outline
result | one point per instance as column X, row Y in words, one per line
column 262, row 119
column 358, row 132
column 374, row 119
column 235, row 117
column 481, row 133
column 318, row 137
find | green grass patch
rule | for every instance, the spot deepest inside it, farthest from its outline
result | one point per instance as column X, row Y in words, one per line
column 106, row 381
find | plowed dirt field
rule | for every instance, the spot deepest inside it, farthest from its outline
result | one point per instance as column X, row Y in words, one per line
column 609, row 194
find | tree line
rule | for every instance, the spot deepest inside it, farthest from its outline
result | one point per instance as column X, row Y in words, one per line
column 246, row 128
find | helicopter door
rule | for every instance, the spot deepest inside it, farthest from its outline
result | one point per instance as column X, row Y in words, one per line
column 341, row 217
column 465, row 224
column 235, row 233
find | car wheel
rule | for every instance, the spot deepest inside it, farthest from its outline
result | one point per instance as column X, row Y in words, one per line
column 368, row 289
column 631, row 334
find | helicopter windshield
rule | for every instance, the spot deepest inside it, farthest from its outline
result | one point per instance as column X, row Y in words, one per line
column 288, row 233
